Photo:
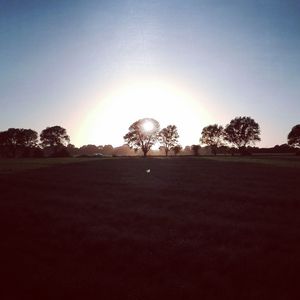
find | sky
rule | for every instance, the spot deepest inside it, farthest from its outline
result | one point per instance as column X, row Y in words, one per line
column 95, row 67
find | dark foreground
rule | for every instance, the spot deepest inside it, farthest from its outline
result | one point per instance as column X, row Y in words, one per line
column 191, row 229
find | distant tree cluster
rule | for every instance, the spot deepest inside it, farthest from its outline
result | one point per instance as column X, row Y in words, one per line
column 239, row 133
column 142, row 138
column 20, row 142
column 17, row 140
column 239, row 136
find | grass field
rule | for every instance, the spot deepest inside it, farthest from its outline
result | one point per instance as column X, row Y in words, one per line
column 194, row 228
column 25, row 164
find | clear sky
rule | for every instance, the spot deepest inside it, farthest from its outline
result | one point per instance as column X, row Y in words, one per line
column 94, row 67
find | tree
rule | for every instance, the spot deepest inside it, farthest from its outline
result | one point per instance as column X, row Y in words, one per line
column 241, row 132
column 107, row 150
column 4, row 147
column 17, row 141
column 187, row 150
column 168, row 137
column 212, row 136
column 89, row 149
column 294, row 136
column 177, row 149
column 28, row 140
column 55, row 138
column 142, row 135
column 123, row 150
column 195, row 149
column 72, row 150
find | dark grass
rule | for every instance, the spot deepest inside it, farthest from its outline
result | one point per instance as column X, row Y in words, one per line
column 193, row 229
column 23, row 164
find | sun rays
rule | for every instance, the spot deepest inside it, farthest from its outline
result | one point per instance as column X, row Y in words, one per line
column 168, row 103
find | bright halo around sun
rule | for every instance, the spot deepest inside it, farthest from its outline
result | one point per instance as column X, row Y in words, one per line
column 148, row 126
column 169, row 104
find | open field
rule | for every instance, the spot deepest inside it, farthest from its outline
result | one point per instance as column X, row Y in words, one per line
column 24, row 164
column 290, row 161
column 194, row 228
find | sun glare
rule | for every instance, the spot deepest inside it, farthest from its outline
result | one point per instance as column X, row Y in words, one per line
column 167, row 103
column 148, row 126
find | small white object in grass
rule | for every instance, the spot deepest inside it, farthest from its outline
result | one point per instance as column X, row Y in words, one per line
column 148, row 171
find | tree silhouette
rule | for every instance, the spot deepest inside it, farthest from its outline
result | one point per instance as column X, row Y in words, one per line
column 195, row 149
column 187, row 150
column 17, row 140
column 140, row 137
column 168, row 138
column 294, row 136
column 88, row 149
column 177, row 149
column 54, row 136
column 242, row 131
column 56, row 139
column 28, row 137
column 212, row 136
column 107, row 150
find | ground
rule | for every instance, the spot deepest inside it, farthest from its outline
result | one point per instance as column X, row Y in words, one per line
column 192, row 228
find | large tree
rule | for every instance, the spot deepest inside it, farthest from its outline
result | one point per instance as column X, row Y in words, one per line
column 294, row 136
column 212, row 136
column 54, row 136
column 241, row 132
column 54, row 141
column 16, row 141
column 143, row 134
column 28, row 138
column 168, row 138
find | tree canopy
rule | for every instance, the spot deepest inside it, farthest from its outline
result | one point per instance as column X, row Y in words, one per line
column 177, row 149
column 195, row 149
column 141, row 136
column 212, row 136
column 17, row 140
column 54, row 136
column 294, row 136
column 168, row 138
column 242, row 131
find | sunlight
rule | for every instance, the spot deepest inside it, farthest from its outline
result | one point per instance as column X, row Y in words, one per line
column 148, row 126
column 168, row 103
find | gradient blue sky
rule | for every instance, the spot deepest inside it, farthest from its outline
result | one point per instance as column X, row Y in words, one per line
column 60, row 59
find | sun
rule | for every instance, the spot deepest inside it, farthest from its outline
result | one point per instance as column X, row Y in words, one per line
column 124, row 103
column 148, row 126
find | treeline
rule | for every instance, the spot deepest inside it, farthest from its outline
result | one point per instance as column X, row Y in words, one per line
column 235, row 138
column 19, row 142
column 91, row 150
column 239, row 136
